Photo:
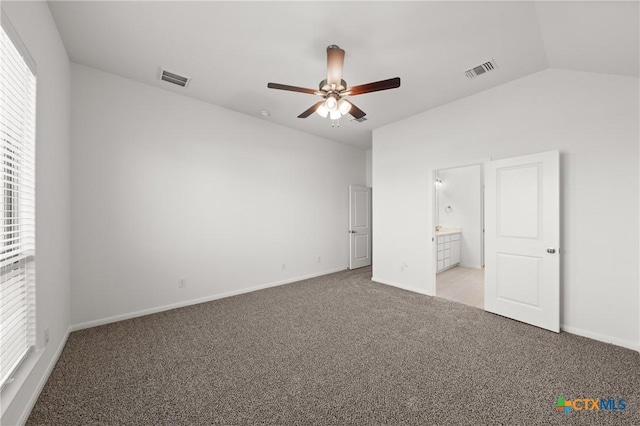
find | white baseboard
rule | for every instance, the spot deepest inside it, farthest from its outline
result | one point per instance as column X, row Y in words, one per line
column 402, row 286
column 155, row 310
column 635, row 346
column 54, row 360
column 469, row 265
column 601, row 337
column 43, row 380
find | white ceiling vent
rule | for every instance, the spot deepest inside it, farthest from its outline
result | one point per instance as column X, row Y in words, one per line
column 172, row 77
column 481, row 69
column 360, row 120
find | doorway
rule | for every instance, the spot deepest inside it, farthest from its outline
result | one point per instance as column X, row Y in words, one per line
column 459, row 234
column 520, row 237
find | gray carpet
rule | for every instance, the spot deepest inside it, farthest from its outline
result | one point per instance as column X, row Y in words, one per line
column 340, row 350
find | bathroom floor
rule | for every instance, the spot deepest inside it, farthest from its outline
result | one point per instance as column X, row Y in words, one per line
column 463, row 285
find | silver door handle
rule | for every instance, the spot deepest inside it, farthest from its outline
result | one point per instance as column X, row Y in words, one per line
column 551, row 250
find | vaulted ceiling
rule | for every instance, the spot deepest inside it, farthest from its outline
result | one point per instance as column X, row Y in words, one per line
column 232, row 49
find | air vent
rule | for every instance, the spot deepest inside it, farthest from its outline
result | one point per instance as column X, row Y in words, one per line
column 360, row 120
column 481, row 69
column 172, row 77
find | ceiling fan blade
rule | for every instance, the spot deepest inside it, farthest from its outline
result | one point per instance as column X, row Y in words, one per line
column 335, row 63
column 391, row 83
column 356, row 112
column 291, row 88
column 311, row 110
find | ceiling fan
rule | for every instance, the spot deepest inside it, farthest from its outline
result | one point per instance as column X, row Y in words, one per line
column 334, row 89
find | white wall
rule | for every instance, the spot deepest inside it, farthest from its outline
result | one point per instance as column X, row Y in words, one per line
column 165, row 187
column 593, row 120
column 36, row 27
column 461, row 189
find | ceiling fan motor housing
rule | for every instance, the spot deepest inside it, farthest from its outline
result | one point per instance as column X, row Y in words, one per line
column 324, row 86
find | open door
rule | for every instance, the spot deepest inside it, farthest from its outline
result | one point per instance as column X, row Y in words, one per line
column 359, row 226
column 522, row 236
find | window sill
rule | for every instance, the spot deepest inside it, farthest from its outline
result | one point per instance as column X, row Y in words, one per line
column 20, row 376
column 25, row 388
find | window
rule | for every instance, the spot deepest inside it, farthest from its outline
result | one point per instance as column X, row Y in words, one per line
column 17, row 220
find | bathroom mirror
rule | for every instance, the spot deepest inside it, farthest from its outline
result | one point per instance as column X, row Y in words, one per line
column 437, row 182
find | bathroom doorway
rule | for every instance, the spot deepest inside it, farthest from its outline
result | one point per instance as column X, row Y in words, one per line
column 459, row 234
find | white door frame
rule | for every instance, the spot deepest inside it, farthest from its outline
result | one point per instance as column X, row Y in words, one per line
column 435, row 214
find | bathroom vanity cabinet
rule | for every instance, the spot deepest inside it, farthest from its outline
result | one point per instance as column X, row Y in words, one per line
column 448, row 250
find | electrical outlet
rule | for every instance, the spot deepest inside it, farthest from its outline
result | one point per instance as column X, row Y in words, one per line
column 319, row 259
column 46, row 335
column 182, row 283
column 284, row 266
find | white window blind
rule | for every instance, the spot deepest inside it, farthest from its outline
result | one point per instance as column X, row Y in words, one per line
column 17, row 220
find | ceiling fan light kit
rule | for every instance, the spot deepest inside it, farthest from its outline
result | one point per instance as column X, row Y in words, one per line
column 334, row 89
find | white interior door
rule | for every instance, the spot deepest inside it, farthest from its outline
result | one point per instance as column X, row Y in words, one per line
column 359, row 226
column 522, row 236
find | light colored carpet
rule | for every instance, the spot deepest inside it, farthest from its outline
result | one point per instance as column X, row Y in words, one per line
column 337, row 349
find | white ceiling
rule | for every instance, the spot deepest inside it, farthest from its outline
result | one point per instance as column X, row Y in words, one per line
column 232, row 49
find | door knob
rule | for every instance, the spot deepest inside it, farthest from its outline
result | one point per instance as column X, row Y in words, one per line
column 551, row 250
column 352, row 232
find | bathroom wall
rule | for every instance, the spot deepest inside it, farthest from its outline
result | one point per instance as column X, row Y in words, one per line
column 461, row 188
